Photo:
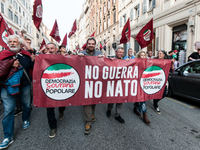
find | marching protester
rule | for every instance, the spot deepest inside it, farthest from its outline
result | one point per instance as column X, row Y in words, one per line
column 27, row 47
column 141, row 106
column 130, row 54
column 43, row 50
column 90, row 109
column 62, row 49
column 175, row 54
column 170, row 54
column 149, row 55
column 119, row 52
column 162, row 55
column 195, row 55
column 14, row 70
column 52, row 49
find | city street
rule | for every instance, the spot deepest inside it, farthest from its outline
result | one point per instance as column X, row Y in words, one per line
column 177, row 128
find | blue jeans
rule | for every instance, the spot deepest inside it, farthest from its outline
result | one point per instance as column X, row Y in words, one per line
column 141, row 107
column 9, row 109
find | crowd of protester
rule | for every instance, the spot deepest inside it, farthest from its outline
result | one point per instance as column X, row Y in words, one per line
column 16, row 74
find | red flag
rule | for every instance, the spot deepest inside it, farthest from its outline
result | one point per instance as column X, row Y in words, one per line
column 85, row 45
column 73, row 30
column 92, row 34
column 65, row 40
column 145, row 36
column 5, row 31
column 37, row 13
column 43, row 44
column 126, row 33
column 55, row 32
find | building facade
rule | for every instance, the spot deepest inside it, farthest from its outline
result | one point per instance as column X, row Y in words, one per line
column 18, row 15
column 101, row 17
column 176, row 23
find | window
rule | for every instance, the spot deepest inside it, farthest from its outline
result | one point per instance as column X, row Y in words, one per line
column 120, row 21
column 26, row 5
column 137, row 11
column 10, row 1
column 10, row 14
column 131, row 14
column 2, row 7
column 124, row 18
column 191, row 68
column 30, row 10
column 114, row 17
column 137, row 48
column 16, row 18
column 108, row 4
column 104, row 9
column 114, row 1
column 19, row 9
column 15, row 5
column 96, row 31
column 37, row 35
column 148, row 5
column 108, row 22
column 23, row 1
column 100, row 15
column 100, row 29
column 104, row 25
column 23, row 13
column 20, row 21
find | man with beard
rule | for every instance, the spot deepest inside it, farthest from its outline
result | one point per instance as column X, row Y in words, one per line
column 119, row 52
column 14, row 68
column 52, row 49
column 130, row 54
column 89, row 109
column 27, row 47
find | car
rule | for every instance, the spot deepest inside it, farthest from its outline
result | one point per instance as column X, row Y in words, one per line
column 185, row 81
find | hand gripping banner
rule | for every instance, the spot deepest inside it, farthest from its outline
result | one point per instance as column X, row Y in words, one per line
column 73, row 80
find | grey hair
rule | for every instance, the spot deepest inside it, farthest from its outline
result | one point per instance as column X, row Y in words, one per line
column 130, row 49
column 53, row 44
column 14, row 36
column 118, row 48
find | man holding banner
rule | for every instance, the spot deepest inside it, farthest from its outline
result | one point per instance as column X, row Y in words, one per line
column 51, row 47
column 119, row 52
column 89, row 109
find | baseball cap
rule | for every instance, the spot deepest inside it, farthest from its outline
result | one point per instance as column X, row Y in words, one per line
column 175, row 51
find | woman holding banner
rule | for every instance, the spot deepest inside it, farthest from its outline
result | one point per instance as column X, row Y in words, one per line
column 162, row 55
column 140, row 107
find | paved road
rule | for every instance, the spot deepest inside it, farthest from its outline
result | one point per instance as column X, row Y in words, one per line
column 177, row 128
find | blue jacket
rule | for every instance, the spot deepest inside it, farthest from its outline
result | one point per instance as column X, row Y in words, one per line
column 13, row 82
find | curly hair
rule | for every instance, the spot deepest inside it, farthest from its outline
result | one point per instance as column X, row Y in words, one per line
column 138, row 54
